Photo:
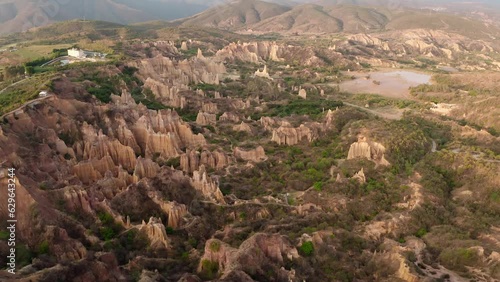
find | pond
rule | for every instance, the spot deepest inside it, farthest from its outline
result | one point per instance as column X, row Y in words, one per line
column 393, row 84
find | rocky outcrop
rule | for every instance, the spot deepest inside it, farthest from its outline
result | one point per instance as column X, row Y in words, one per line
column 62, row 246
column 25, row 203
column 243, row 127
column 255, row 155
column 426, row 42
column 77, row 200
column 229, row 117
column 206, row 119
column 263, row 73
column 145, row 168
column 155, row 231
column 199, row 55
column 91, row 171
column 370, row 150
column 329, row 119
column 176, row 73
column 393, row 255
column 285, row 135
column 303, row 93
column 360, row 177
column 98, row 146
column 168, row 94
column 192, row 160
column 207, row 186
column 258, row 52
column 175, row 213
column 210, row 108
column 368, row 40
column 268, row 123
column 184, row 46
column 260, row 250
column 163, row 132
column 250, row 52
column 174, row 210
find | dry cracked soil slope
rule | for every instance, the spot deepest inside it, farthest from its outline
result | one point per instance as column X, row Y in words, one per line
column 212, row 150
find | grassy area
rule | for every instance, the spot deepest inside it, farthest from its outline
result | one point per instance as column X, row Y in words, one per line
column 313, row 108
column 38, row 51
column 22, row 93
column 379, row 101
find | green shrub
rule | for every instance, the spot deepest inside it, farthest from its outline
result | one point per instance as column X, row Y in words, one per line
column 175, row 162
column 459, row 258
column 313, row 174
column 43, row 248
column 318, row 186
column 110, row 229
column 209, row 269
column 421, row 232
column 215, row 246
column 169, row 230
column 105, row 218
column 306, row 249
column 107, row 233
column 313, row 108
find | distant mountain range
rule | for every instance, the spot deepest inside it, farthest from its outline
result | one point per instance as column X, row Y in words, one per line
column 324, row 17
column 17, row 15
column 280, row 15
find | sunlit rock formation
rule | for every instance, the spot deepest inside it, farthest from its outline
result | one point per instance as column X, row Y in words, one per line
column 367, row 149
column 155, row 231
column 255, row 155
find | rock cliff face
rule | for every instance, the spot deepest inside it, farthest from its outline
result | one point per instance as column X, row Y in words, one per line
column 207, row 186
column 197, row 70
column 360, row 177
column 77, row 199
column 257, row 52
column 229, row 117
column 175, row 213
column 192, row 160
column 161, row 133
column 25, row 201
column 62, row 246
column 167, row 94
column 243, row 127
column 250, row 52
column 370, row 150
column 167, row 78
column 430, row 43
column 255, row 155
column 206, row 118
column 285, row 135
column 210, row 108
column 164, row 132
column 256, row 252
column 155, row 231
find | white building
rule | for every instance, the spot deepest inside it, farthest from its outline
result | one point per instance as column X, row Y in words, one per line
column 43, row 94
column 77, row 53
